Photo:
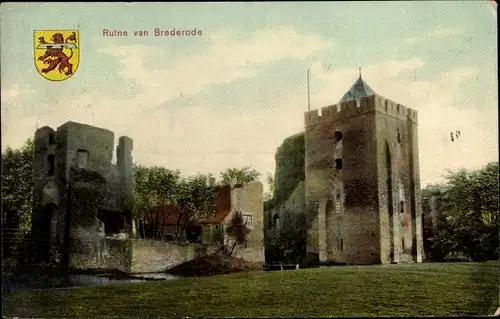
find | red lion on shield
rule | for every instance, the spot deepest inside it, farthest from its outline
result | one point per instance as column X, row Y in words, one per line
column 55, row 56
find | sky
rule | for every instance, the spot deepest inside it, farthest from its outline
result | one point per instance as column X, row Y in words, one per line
column 230, row 96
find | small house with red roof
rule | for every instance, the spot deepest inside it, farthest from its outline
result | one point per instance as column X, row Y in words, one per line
column 167, row 222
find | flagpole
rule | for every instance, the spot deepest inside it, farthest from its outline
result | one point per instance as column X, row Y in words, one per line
column 308, row 93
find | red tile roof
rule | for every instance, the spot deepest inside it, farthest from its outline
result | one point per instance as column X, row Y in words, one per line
column 170, row 214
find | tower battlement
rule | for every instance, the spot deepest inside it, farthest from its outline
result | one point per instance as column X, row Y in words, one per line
column 44, row 138
column 340, row 110
column 83, row 136
column 367, row 104
column 395, row 109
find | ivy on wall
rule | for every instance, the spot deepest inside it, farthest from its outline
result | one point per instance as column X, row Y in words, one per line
column 290, row 167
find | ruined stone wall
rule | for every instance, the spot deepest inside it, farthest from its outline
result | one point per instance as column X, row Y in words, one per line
column 83, row 238
column 96, row 141
column 248, row 199
column 89, row 148
column 132, row 255
column 111, row 253
column 287, row 212
column 124, row 166
column 48, row 189
column 128, row 254
column 157, row 256
column 44, row 146
column 345, row 234
column 295, row 203
column 99, row 184
column 289, row 191
column 149, row 256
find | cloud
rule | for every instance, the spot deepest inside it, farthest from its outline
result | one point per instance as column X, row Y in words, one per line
column 329, row 87
column 225, row 61
column 197, row 137
column 12, row 98
column 443, row 32
column 13, row 93
column 190, row 139
column 9, row 94
column 436, row 101
column 440, row 32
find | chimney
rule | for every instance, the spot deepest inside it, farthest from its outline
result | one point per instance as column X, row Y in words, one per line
column 211, row 182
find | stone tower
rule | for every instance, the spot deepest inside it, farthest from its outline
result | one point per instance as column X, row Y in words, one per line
column 48, row 221
column 362, row 180
column 76, row 184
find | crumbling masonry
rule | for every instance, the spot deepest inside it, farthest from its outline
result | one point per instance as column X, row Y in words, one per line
column 76, row 185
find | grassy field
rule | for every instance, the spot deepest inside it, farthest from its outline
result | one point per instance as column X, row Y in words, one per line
column 395, row 290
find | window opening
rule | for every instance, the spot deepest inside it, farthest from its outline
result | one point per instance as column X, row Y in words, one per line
column 338, row 163
column 51, row 164
column 82, row 157
column 338, row 136
column 248, row 221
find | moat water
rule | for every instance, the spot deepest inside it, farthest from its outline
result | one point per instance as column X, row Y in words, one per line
column 25, row 282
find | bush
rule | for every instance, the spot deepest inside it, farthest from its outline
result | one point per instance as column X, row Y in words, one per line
column 213, row 265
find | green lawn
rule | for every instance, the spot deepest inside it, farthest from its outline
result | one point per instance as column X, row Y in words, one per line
column 395, row 290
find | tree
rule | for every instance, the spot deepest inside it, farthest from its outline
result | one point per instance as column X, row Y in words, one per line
column 158, row 186
column 238, row 231
column 290, row 167
column 154, row 186
column 288, row 244
column 239, row 175
column 17, row 184
column 270, row 182
column 470, row 204
column 195, row 200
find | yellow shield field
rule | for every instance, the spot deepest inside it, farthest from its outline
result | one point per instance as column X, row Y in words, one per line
column 57, row 53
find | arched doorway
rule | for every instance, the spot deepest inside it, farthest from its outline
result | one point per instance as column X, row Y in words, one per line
column 47, row 230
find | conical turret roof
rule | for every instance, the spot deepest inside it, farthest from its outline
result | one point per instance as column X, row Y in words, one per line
column 357, row 91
